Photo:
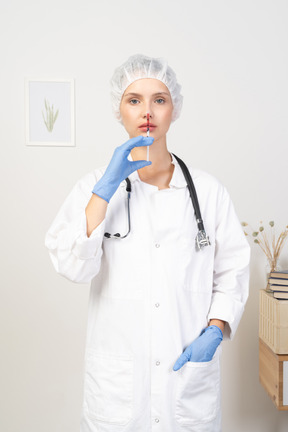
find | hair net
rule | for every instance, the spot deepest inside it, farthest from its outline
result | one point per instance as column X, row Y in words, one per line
column 138, row 67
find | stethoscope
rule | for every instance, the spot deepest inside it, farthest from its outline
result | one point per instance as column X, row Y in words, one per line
column 201, row 239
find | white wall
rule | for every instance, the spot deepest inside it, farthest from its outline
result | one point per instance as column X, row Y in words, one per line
column 232, row 60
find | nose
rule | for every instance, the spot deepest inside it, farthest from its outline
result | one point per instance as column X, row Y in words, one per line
column 147, row 112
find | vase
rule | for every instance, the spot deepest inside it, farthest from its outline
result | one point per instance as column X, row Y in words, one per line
column 272, row 268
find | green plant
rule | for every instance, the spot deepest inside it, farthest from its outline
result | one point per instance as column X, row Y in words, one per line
column 270, row 244
column 50, row 116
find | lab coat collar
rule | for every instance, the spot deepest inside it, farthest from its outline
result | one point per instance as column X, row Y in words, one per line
column 177, row 180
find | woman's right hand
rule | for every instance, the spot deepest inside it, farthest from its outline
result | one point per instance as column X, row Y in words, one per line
column 120, row 167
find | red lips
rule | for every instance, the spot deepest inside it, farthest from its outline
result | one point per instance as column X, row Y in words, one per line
column 146, row 124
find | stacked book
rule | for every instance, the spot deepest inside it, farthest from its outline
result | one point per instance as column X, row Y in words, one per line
column 278, row 284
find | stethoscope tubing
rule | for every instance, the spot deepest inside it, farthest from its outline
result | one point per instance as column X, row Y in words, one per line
column 192, row 192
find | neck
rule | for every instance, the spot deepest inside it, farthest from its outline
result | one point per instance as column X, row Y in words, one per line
column 159, row 173
column 158, row 155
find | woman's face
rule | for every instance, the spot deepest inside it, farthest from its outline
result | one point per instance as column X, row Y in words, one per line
column 144, row 96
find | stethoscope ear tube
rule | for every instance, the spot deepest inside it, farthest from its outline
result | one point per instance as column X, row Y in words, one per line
column 117, row 235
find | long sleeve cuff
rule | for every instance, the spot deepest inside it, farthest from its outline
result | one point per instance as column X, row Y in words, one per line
column 88, row 247
column 227, row 309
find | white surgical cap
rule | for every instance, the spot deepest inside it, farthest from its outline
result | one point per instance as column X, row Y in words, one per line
column 138, row 67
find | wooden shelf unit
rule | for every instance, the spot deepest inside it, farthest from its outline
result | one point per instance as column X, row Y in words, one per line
column 271, row 374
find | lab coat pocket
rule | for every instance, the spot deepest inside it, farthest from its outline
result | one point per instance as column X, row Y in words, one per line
column 108, row 388
column 198, row 394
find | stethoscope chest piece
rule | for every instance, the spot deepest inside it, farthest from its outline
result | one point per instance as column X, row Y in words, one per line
column 201, row 240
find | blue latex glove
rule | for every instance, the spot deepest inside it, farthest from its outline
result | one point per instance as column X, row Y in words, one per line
column 120, row 167
column 202, row 349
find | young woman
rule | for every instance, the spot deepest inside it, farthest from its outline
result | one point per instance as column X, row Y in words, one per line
column 159, row 307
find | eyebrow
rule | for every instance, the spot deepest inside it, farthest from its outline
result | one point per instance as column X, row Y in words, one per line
column 138, row 94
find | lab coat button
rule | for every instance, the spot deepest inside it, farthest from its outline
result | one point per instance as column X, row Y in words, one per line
column 157, row 363
column 157, row 420
column 157, row 245
column 157, row 304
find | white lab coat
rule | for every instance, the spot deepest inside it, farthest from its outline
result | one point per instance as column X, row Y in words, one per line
column 151, row 295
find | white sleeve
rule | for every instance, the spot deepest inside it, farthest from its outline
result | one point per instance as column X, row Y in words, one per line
column 73, row 254
column 231, row 268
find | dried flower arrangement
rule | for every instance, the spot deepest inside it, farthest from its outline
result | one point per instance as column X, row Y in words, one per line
column 269, row 243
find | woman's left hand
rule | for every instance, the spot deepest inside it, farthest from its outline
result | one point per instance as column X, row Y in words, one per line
column 202, row 349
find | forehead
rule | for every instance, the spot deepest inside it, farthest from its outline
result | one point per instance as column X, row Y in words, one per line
column 147, row 86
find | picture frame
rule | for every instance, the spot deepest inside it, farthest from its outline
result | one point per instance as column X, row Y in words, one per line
column 50, row 112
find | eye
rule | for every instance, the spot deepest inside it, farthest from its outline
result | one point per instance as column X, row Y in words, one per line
column 160, row 101
column 134, row 101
